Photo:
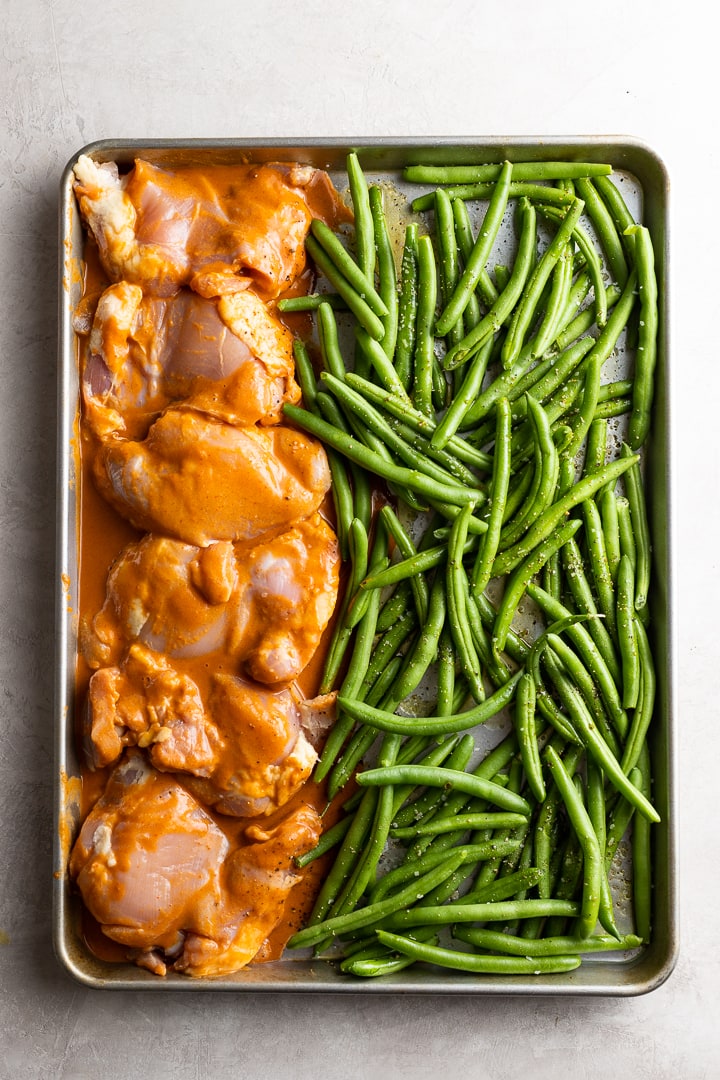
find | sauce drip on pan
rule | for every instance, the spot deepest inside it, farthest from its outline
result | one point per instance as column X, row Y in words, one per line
column 208, row 566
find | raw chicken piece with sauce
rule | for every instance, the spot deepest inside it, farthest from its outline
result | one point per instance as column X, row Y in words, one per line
column 200, row 480
column 263, row 607
column 229, row 358
column 246, row 755
column 218, row 229
column 163, row 879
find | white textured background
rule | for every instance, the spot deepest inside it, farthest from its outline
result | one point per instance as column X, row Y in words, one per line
column 74, row 72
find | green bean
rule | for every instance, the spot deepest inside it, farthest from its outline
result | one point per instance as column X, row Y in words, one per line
column 585, row 319
column 581, row 592
column 591, row 257
column 508, row 298
column 583, row 681
column 606, row 410
column 627, row 640
column 403, row 411
column 587, row 412
column 607, row 505
column 461, row 961
column 465, row 243
column 407, row 549
column 522, row 170
column 447, row 458
column 638, row 515
column 465, row 396
column 387, row 287
column 605, row 228
column 517, row 582
column 557, row 946
column 455, row 754
column 513, row 382
column 518, row 190
column 511, row 886
column 596, row 745
column 488, row 546
column 482, row 820
column 385, row 649
column 625, row 529
column 592, row 862
column 450, row 779
column 367, row 868
column 380, row 361
column 619, row 820
column 597, row 812
column 425, row 649
column 346, row 266
column 642, row 859
column 326, row 843
column 568, row 876
column 445, row 673
column 354, row 299
column 523, row 314
column 344, row 861
column 362, row 652
column 369, row 415
column 432, row 725
column 496, row 911
column 599, row 565
column 407, row 307
column 374, row 462
column 545, row 477
column 364, row 231
column 424, row 341
column 619, row 212
column 366, row 916
column 311, row 302
column 457, row 302
column 596, row 446
column 551, row 517
column 527, row 739
column 381, row 962
column 394, row 606
column 471, row 854
column 457, row 605
column 646, row 699
column 561, row 281
column 448, row 267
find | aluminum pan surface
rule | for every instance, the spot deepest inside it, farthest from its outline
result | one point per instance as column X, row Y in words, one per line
column 638, row 975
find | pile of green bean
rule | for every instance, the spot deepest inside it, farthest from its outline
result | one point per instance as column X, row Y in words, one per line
column 476, row 483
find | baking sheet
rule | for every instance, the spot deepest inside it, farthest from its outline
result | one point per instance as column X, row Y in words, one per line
column 383, row 161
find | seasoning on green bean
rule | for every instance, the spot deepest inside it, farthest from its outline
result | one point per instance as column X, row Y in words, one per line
column 407, row 307
column 387, row 284
column 488, row 546
column 424, row 340
column 508, row 298
column 478, row 258
column 527, row 305
column 364, row 232
column 522, row 170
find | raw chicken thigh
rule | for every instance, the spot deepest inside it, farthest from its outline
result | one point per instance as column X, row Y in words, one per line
column 246, row 756
column 265, row 606
column 200, row 480
column 230, row 358
column 161, row 877
column 217, row 230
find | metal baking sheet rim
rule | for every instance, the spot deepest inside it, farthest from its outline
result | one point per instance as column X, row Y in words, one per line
column 638, row 975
